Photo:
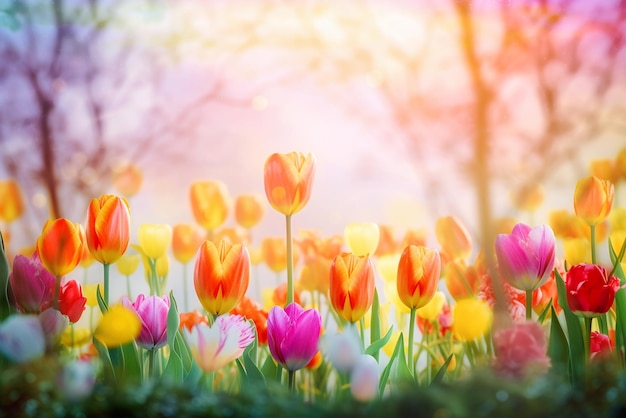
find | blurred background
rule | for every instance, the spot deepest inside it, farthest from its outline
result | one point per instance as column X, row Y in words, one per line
column 406, row 105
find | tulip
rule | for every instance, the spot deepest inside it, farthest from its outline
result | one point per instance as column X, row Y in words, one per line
column 461, row 279
column 288, row 181
column 599, row 345
column 351, row 285
column 418, row 275
column 342, row 349
column 605, row 169
column 364, row 378
column 221, row 275
column 453, row 237
column 11, row 202
column 117, row 326
column 188, row 320
column 210, row 203
column 186, row 239
column 387, row 266
column 274, row 253
column 362, row 238
column 89, row 290
column 213, row 347
column 250, row 309
column 60, row 246
column 152, row 311
column 529, row 197
column 248, row 210
column 414, row 237
column 472, row 319
column 74, row 337
column 432, row 309
column 72, row 302
column 154, row 239
column 279, row 296
column 127, row 179
column 21, row 338
column 53, row 324
column 590, row 290
column 293, row 334
column 314, row 275
column 32, row 285
column 521, row 349
column 386, row 242
column 127, row 264
column 593, row 198
column 108, row 228
column 577, row 251
column 86, row 259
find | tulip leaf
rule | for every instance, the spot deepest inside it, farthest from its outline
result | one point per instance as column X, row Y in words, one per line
column 376, row 345
column 558, row 350
column 253, row 372
column 5, row 287
column 620, row 299
column 174, row 368
column 130, row 360
column 375, row 324
column 544, row 313
column 105, row 358
column 442, row 370
column 270, row 369
column 398, row 354
column 173, row 321
column 574, row 333
column 101, row 303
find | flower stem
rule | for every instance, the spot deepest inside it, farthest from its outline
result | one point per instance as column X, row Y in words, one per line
column 410, row 362
column 587, row 338
column 154, row 283
column 151, row 363
column 593, row 244
column 292, row 380
column 290, row 296
column 529, row 304
column 57, row 293
column 106, row 283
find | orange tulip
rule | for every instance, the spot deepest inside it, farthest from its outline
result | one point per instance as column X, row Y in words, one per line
column 186, row 239
column 351, row 285
column 108, row 228
column 418, row 275
column 314, row 275
column 529, row 197
column 289, row 180
column 60, row 246
column 274, row 253
column 461, row 280
column 221, row 275
column 414, row 237
column 210, row 203
column 11, row 202
column 248, row 210
column 234, row 235
column 593, row 198
column 454, row 239
column 620, row 164
column 386, row 241
column 127, row 179
column 605, row 169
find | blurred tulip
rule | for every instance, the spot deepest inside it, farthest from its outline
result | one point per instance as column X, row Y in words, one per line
column 362, row 238
column 617, row 218
column 210, row 203
column 414, row 237
column 188, row 320
column 620, row 164
column 433, row 308
column 74, row 337
column 364, row 378
column 127, row 264
column 21, row 338
column 32, row 285
column 274, row 253
column 593, row 199
column 248, row 210
column 342, row 349
column 599, row 345
column 234, row 235
column 504, row 225
column 590, row 290
column 213, row 347
column 387, row 266
column 186, row 239
column 351, row 285
column 71, row 300
column 461, row 280
column 60, row 246
column 472, row 319
column 163, row 265
column 529, row 197
column 108, row 228
column 86, row 259
column 391, row 294
column 566, row 224
column 154, row 239
column 256, row 255
column 521, row 350
column 293, row 334
column 288, row 180
column 250, row 309
column 127, row 179
column 576, row 251
column 117, row 326
column 279, row 295
column 454, row 238
column 419, row 270
column 605, row 169
column 53, row 323
column 386, row 241
column 11, row 202
column 526, row 256
column 89, row 290
column 314, row 275
column 152, row 311
column 221, row 275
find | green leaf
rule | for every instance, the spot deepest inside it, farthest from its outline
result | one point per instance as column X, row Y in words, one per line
column 173, row 321
column 105, row 358
column 5, row 287
column 174, row 368
column 574, row 333
column 401, row 371
column 558, row 349
column 270, row 369
column 442, row 370
column 620, row 301
column 253, row 373
column 101, row 303
column 376, row 345
column 544, row 313
column 130, row 361
column 375, row 325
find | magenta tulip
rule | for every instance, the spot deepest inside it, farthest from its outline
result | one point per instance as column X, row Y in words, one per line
column 32, row 284
column 152, row 311
column 526, row 256
column 293, row 334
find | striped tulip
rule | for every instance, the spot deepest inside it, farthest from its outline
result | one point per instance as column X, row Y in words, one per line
column 351, row 285
column 60, row 246
column 210, row 203
column 418, row 275
column 108, row 228
column 288, row 181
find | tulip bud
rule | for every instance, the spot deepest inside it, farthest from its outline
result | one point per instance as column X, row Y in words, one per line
column 364, row 378
column 593, row 199
column 362, row 238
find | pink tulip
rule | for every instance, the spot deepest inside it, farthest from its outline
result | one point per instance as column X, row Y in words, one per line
column 215, row 346
column 152, row 311
column 32, row 284
column 364, row 378
column 53, row 323
column 521, row 349
column 526, row 256
column 293, row 334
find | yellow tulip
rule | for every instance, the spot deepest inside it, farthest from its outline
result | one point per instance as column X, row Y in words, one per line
column 210, row 203
column 472, row 319
column 362, row 238
column 11, row 202
column 74, row 337
column 593, row 198
column 620, row 164
column 127, row 264
column 576, row 250
column 118, row 326
column 432, row 309
column 89, row 291
column 391, row 294
column 387, row 266
column 154, row 239
column 163, row 265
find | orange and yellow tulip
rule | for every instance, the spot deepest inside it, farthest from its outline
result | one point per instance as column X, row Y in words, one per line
column 11, row 202
column 351, row 285
column 60, row 246
column 288, row 181
column 462, row 280
column 620, row 164
column 455, row 240
column 186, row 239
column 529, row 197
column 418, row 275
column 209, row 203
column 127, row 179
column 108, row 228
column 593, row 198
column 248, row 210
column 274, row 253
column 221, row 275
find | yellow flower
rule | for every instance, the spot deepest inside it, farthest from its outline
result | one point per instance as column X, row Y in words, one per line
column 472, row 319
column 387, row 266
column 74, row 337
column 163, row 265
column 127, row 264
column 118, row 326
column 432, row 309
column 593, row 198
column 576, row 250
column 89, row 291
column 362, row 238
column 154, row 239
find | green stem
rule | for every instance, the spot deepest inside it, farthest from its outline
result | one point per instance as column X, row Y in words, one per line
column 106, row 283
column 154, row 281
column 151, row 364
column 208, row 380
column 57, row 293
column 362, row 329
column 289, row 261
column 292, row 380
column 410, row 361
column 529, row 304
column 593, row 244
column 586, row 338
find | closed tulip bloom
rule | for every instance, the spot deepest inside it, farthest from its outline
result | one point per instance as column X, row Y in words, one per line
column 248, row 210
column 108, row 228
column 127, row 264
column 127, row 179
column 288, row 181
column 221, row 275
column 60, row 246
column 362, row 238
column 593, row 198
column 293, row 334
column 526, row 256
column 418, row 275
column 472, row 319
column 210, row 203
column 186, row 239
column 351, row 285
column 32, row 285
column 590, row 290
column 154, row 239
column 364, row 378
column 387, row 266
column 11, row 202
column 455, row 240
column 117, row 326
column 90, row 292
column 432, row 309
column 71, row 300
column 22, row 338
column 213, row 347
column 274, row 253
column 152, row 311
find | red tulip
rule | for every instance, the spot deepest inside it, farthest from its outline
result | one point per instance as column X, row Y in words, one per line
column 72, row 301
column 590, row 292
